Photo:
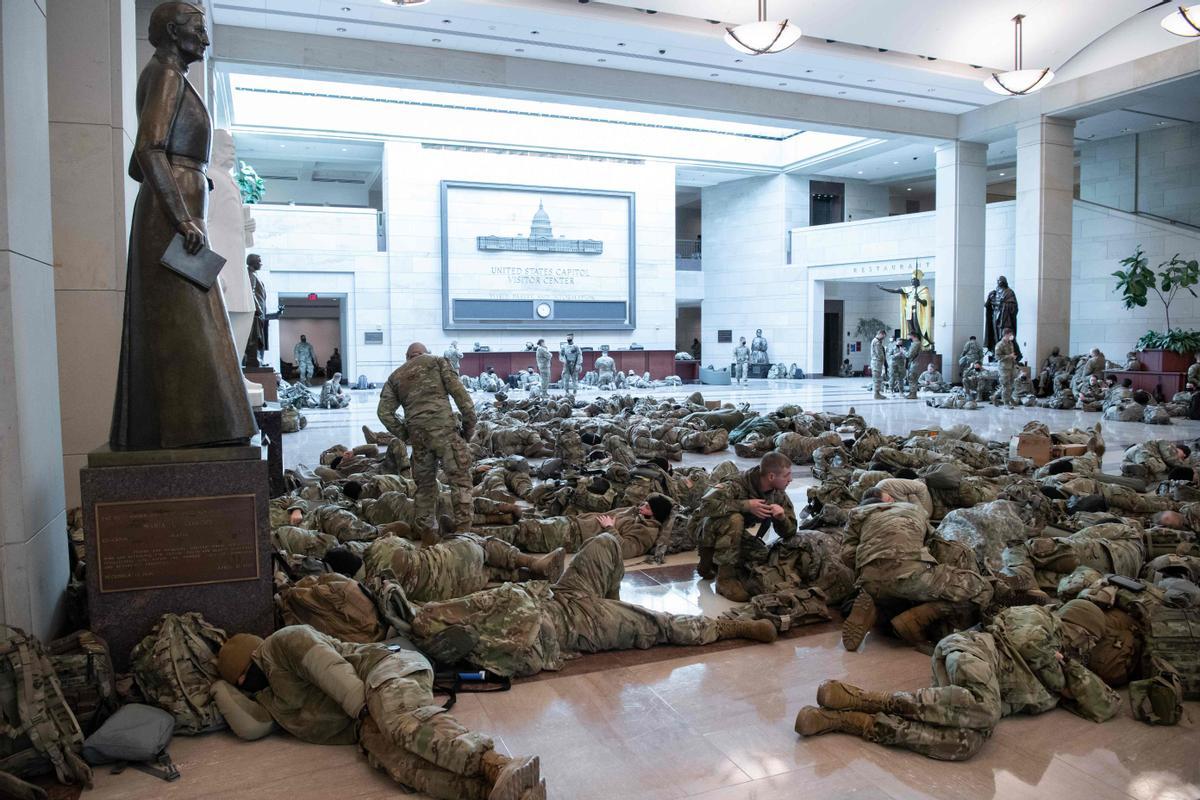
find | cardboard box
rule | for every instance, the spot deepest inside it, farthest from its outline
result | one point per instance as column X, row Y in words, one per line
column 712, row 405
column 1071, row 450
column 1033, row 446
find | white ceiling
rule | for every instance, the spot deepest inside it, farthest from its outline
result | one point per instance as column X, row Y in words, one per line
column 912, row 54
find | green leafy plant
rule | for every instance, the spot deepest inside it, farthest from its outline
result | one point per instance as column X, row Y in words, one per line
column 1177, row 341
column 867, row 328
column 1137, row 281
column 251, row 186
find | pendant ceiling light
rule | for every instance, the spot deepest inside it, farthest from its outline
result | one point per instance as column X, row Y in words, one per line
column 1019, row 80
column 1183, row 21
column 764, row 36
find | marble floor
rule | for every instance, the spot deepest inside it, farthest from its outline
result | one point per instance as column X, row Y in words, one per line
column 718, row 724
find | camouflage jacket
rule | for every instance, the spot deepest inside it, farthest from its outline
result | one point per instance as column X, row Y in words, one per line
column 885, row 532
column 543, row 357
column 878, row 352
column 423, row 386
column 318, row 683
column 515, row 624
column 733, row 497
column 1028, row 640
column 1006, row 355
column 638, row 534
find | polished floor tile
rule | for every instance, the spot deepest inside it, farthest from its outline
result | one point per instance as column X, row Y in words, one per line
column 717, row 723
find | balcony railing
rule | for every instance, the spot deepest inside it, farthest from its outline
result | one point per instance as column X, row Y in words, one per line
column 687, row 254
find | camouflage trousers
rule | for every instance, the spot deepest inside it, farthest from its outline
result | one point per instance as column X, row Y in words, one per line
column 913, row 458
column 739, row 371
column 590, row 618
column 922, row 582
column 877, row 376
column 539, row 534
column 454, row 567
column 416, row 741
column 1007, row 381
column 431, row 449
column 724, row 535
column 951, row 720
column 570, row 377
column 544, row 382
column 1118, row 497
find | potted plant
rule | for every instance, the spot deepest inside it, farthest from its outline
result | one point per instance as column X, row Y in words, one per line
column 251, row 186
column 1170, row 350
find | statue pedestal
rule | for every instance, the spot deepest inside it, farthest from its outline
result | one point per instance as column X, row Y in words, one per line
column 270, row 424
column 264, row 377
column 758, row 370
column 176, row 531
column 928, row 357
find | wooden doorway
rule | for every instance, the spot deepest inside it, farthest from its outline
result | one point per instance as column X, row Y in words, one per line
column 833, row 338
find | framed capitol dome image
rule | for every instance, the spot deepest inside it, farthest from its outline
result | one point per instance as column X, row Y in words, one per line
column 517, row 256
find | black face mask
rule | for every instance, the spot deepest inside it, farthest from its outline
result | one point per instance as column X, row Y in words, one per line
column 255, row 680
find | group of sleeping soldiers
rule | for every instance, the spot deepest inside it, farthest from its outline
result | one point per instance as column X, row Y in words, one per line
column 1021, row 575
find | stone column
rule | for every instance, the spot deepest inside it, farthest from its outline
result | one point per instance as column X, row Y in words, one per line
column 93, row 74
column 33, row 541
column 959, row 248
column 1045, row 198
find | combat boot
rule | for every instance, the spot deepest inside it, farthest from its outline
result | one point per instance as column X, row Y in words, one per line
column 838, row 696
column 758, row 630
column 511, row 778
column 705, row 568
column 730, row 586
column 548, row 567
column 910, row 626
column 860, row 620
column 813, row 721
column 368, row 434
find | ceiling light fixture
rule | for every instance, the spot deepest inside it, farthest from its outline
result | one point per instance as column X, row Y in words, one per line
column 1018, row 80
column 404, row 3
column 1183, row 22
column 1001, row 174
column 764, row 36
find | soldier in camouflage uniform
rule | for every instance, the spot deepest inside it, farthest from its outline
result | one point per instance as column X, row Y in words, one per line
column 972, row 353
column 522, row 629
column 912, row 351
column 1006, row 355
column 606, row 369
column 1111, row 548
column 1155, row 459
column 878, row 356
column 453, row 356
column 1054, row 364
column 741, row 360
column 543, row 357
column 326, row 691
column 887, row 544
column 423, row 386
column 931, row 380
column 455, row 567
column 638, row 529
column 1027, row 661
column 744, row 506
column 572, row 361
column 897, row 366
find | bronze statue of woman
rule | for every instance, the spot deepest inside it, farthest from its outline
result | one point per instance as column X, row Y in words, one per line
column 179, row 383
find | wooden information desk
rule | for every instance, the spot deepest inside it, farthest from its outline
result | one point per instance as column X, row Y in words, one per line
column 660, row 363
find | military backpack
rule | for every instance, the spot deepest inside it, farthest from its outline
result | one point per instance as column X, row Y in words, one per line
column 1158, row 700
column 175, row 666
column 1173, row 636
column 38, row 732
column 85, row 672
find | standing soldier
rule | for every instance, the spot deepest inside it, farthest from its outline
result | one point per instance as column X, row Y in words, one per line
column 572, row 359
column 423, row 386
column 971, row 353
column 914, row 351
column 741, row 358
column 606, row 369
column 1006, row 355
column 306, row 359
column 897, row 359
column 453, row 355
column 877, row 360
column 543, row 357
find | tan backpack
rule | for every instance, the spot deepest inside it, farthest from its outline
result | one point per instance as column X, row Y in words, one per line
column 334, row 605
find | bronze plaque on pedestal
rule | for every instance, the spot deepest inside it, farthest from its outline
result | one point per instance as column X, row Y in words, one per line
column 151, row 544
